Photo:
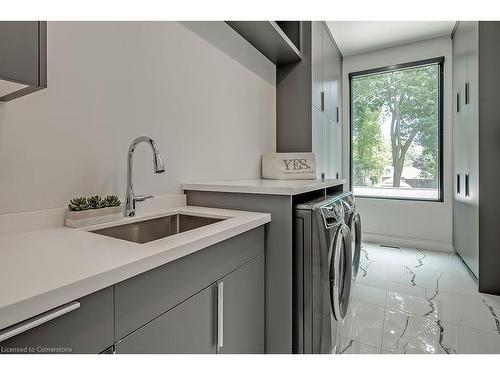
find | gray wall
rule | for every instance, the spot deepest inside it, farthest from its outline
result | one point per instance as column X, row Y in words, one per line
column 200, row 90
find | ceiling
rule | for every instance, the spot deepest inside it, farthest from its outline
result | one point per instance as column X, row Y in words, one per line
column 355, row 37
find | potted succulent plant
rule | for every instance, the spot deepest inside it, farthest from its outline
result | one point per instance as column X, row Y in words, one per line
column 93, row 210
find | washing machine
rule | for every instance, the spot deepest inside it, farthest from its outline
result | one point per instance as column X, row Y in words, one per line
column 322, row 274
column 353, row 221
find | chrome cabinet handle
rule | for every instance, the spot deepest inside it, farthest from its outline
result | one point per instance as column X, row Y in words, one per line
column 322, row 101
column 220, row 315
column 38, row 320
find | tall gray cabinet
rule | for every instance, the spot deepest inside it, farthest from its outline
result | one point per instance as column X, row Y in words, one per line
column 308, row 100
column 476, row 149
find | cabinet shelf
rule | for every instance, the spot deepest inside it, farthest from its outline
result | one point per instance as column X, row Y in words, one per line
column 269, row 39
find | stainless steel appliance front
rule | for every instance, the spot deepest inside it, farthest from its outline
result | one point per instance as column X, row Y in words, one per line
column 322, row 274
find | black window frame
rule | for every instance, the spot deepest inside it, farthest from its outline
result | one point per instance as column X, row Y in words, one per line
column 413, row 64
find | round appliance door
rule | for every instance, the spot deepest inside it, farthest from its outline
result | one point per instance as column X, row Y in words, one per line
column 355, row 228
column 340, row 272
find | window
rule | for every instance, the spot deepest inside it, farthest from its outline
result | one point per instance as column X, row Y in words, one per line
column 396, row 131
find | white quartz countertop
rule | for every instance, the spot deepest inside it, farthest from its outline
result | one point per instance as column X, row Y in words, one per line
column 43, row 269
column 264, row 186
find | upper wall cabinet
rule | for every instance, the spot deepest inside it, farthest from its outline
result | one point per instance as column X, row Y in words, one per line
column 23, row 58
column 278, row 41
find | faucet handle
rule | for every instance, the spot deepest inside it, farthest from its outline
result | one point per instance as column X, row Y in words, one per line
column 142, row 198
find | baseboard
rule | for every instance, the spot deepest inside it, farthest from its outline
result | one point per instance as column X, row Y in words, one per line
column 402, row 241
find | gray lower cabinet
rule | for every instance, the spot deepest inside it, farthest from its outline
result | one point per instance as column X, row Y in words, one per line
column 142, row 298
column 190, row 328
column 243, row 309
column 225, row 317
column 84, row 328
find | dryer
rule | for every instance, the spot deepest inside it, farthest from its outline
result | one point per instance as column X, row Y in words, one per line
column 322, row 274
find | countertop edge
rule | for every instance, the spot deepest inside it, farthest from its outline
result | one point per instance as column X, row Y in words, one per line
column 269, row 190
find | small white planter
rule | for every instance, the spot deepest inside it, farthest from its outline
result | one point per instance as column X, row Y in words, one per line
column 77, row 219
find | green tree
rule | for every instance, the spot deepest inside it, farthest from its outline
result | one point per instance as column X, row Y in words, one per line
column 409, row 100
column 368, row 145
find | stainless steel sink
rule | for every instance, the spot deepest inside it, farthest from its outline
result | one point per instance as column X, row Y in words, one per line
column 153, row 229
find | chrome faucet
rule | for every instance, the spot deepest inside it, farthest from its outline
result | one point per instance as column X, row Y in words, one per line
column 158, row 167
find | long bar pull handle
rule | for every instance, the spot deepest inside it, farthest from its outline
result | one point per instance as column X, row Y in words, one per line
column 458, row 183
column 467, row 93
column 467, row 192
column 337, row 115
column 38, row 320
column 458, row 102
column 322, row 101
column 220, row 316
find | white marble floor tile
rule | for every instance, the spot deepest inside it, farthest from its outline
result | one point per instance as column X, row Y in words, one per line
column 405, row 333
column 408, row 275
column 368, row 281
column 474, row 341
column 457, row 280
column 373, row 269
column 369, row 294
column 350, row 346
column 412, row 290
column 364, row 323
column 409, row 304
column 431, row 305
column 490, row 299
column 468, row 311
column 373, row 252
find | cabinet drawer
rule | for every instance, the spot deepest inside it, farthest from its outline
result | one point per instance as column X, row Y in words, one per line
column 144, row 297
column 87, row 328
column 188, row 328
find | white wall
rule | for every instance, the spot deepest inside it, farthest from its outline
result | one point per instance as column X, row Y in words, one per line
column 200, row 90
column 410, row 223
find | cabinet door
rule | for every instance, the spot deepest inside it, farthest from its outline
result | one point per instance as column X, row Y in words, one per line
column 317, row 139
column 465, row 147
column 328, row 163
column 23, row 58
column 317, row 64
column 82, row 326
column 187, row 328
column 336, row 151
column 470, row 252
column 328, row 73
column 337, row 89
column 242, row 304
column 19, row 51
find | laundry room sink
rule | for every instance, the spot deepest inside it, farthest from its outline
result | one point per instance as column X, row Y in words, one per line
column 154, row 229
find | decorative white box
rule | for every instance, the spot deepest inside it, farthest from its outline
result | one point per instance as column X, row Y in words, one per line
column 77, row 219
column 289, row 166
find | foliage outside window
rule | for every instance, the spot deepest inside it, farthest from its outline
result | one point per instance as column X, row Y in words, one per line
column 396, row 128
